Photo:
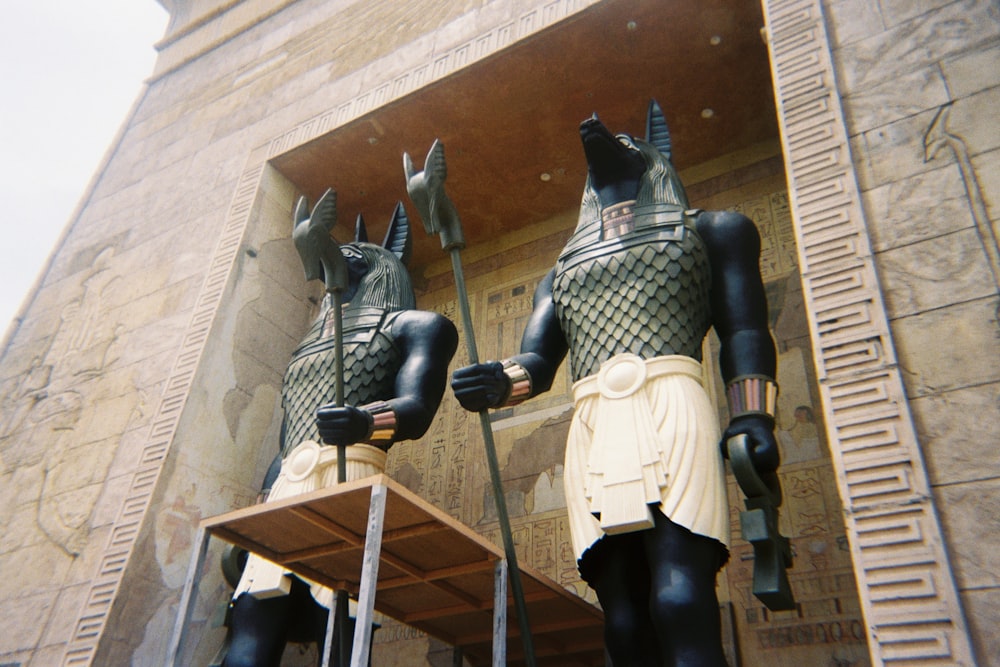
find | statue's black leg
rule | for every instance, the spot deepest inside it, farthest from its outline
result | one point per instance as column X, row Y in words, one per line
column 307, row 620
column 258, row 630
column 683, row 602
column 622, row 586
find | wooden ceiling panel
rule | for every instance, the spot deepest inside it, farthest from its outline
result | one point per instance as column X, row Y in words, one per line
column 512, row 117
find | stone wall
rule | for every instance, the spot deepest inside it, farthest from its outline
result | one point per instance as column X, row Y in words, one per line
column 139, row 390
column 105, row 396
column 920, row 85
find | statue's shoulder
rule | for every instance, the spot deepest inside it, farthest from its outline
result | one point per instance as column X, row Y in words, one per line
column 725, row 231
column 723, row 223
column 423, row 324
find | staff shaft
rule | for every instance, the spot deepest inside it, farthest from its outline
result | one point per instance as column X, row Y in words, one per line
column 338, row 375
column 494, row 467
column 341, row 601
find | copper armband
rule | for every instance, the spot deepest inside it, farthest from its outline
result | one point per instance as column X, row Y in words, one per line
column 752, row 395
column 520, row 382
column 383, row 426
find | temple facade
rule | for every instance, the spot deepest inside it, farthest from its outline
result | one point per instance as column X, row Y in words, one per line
column 140, row 382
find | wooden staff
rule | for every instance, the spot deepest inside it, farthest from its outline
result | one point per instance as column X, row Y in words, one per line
column 426, row 190
column 336, row 278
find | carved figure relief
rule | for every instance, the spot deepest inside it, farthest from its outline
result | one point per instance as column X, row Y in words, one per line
column 85, row 337
column 45, row 450
column 938, row 139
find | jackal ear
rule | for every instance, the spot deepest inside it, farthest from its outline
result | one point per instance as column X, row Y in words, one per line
column 399, row 238
column 301, row 212
column 657, row 132
column 360, row 231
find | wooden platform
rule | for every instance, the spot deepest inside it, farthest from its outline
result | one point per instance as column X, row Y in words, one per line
column 434, row 573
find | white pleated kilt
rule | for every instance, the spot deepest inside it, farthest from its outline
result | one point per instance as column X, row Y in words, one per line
column 644, row 437
column 308, row 467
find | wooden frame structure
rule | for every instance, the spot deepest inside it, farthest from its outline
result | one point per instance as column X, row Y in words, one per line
column 398, row 554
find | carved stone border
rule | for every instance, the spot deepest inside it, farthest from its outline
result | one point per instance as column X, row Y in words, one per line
column 82, row 647
column 908, row 595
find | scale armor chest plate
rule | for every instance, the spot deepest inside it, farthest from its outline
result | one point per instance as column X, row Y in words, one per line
column 646, row 292
column 371, row 363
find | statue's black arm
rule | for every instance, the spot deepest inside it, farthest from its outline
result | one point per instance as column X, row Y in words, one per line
column 543, row 347
column 739, row 312
column 739, row 305
column 428, row 342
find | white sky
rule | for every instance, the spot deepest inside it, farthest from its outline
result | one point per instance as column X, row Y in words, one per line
column 69, row 73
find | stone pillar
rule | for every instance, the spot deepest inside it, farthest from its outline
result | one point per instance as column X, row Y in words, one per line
column 909, row 597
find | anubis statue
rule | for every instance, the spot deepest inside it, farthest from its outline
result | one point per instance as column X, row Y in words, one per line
column 395, row 369
column 630, row 300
